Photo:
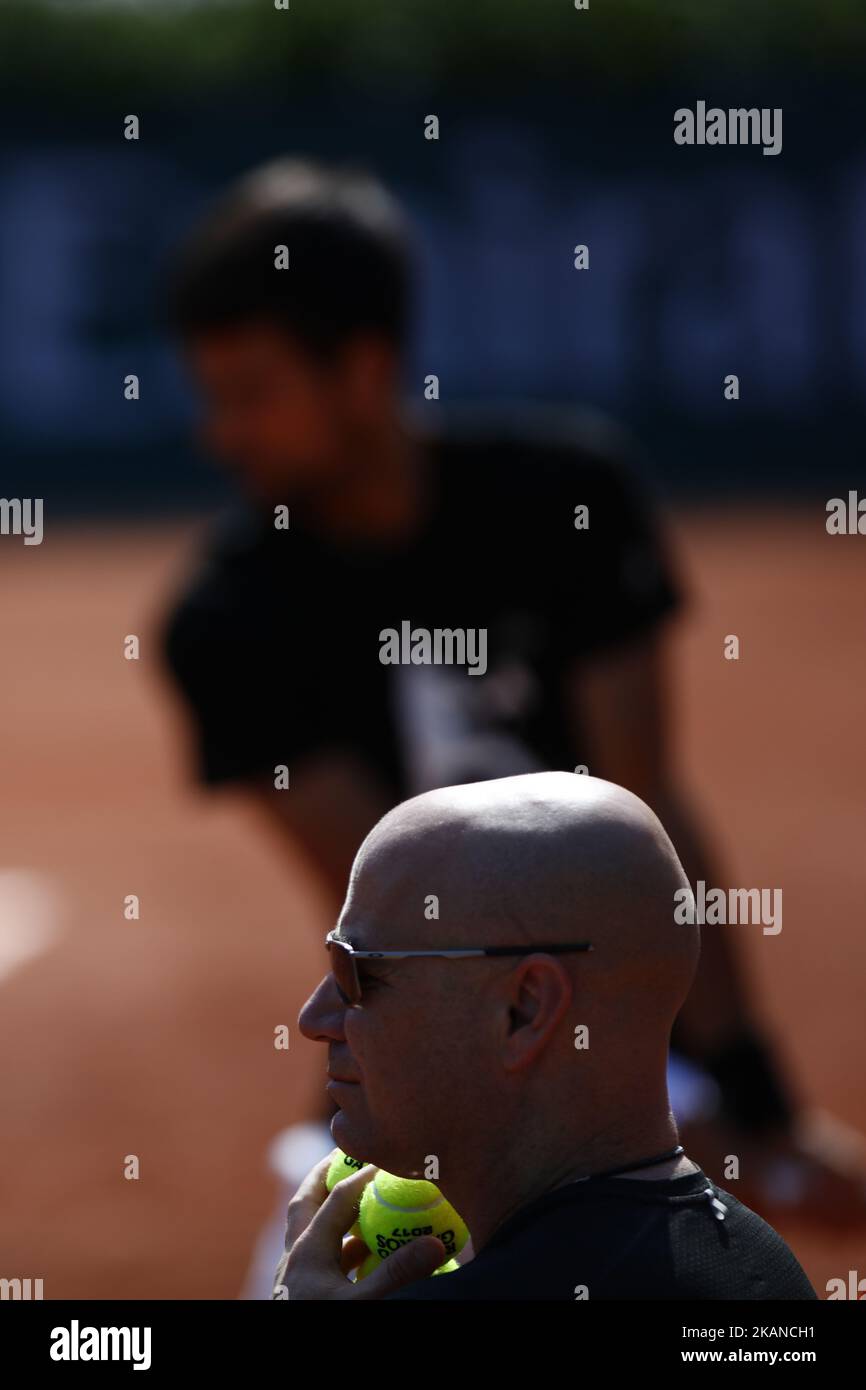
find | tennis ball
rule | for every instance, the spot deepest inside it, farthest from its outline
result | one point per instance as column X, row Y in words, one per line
column 342, row 1166
column 395, row 1211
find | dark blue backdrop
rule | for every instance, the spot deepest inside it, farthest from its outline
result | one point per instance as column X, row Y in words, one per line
column 703, row 262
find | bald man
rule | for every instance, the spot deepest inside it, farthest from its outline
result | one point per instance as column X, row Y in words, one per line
column 533, row 1069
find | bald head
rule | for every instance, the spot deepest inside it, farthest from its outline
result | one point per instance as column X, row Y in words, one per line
column 546, row 857
column 564, row 1052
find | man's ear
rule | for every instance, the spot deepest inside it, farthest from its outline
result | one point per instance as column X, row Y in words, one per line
column 541, row 995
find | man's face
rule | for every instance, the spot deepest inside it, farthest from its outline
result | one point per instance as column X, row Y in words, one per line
column 402, row 1063
column 275, row 414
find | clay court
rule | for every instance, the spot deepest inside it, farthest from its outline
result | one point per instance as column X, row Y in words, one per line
column 155, row 1037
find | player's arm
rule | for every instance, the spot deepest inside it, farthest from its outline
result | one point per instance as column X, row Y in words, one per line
column 620, row 702
column 618, row 696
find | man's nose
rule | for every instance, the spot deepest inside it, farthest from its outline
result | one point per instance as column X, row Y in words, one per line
column 321, row 1018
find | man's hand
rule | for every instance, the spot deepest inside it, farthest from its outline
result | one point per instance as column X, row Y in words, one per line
column 317, row 1262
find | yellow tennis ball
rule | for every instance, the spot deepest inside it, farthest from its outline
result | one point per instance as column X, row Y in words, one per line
column 342, row 1166
column 395, row 1211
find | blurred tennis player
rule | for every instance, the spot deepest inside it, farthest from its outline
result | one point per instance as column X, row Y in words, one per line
column 456, row 597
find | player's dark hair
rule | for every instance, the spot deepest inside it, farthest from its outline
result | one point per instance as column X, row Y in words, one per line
column 348, row 258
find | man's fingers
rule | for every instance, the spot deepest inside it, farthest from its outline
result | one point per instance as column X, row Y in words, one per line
column 327, row 1218
column 340, row 1212
column 307, row 1200
column 280, row 1276
column 417, row 1260
column 318, row 1260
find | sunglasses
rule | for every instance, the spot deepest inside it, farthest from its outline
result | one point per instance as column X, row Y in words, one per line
column 344, row 959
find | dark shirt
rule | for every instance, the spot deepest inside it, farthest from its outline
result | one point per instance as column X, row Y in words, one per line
column 276, row 641
column 620, row 1238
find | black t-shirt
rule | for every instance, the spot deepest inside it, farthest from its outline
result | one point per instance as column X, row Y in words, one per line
column 618, row 1238
column 277, row 641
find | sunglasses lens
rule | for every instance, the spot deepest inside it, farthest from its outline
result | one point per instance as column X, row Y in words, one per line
column 343, row 971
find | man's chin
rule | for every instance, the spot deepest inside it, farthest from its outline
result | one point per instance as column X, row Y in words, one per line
column 349, row 1137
